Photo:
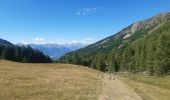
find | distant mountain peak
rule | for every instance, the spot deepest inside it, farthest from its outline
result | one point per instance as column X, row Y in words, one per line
column 144, row 24
column 141, row 47
column 56, row 50
column 126, row 33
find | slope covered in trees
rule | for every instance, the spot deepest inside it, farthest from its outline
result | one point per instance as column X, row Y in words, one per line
column 142, row 46
column 5, row 43
column 23, row 54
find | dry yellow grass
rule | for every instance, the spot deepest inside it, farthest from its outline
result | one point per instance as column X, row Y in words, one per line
column 150, row 88
column 19, row 81
column 48, row 82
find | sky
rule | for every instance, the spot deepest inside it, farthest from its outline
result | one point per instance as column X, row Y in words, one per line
column 71, row 21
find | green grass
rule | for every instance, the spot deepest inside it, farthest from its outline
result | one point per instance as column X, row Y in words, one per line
column 48, row 82
column 149, row 87
column 163, row 82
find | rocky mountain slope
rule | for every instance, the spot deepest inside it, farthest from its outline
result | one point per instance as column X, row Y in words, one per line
column 129, row 48
column 126, row 33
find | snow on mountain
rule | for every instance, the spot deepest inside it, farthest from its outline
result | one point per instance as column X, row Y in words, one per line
column 55, row 51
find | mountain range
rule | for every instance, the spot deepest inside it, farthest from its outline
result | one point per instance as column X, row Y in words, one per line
column 55, row 51
column 142, row 46
column 24, row 54
column 124, row 34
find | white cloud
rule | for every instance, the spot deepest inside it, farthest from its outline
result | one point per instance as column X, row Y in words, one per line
column 88, row 11
column 59, row 41
column 25, row 43
column 38, row 40
column 74, row 41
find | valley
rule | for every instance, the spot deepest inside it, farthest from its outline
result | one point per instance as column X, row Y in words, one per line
column 55, row 51
column 23, row 81
column 84, row 50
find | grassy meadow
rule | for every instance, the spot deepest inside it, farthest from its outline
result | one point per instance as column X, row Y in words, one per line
column 20, row 81
column 23, row 81
column 149, row 87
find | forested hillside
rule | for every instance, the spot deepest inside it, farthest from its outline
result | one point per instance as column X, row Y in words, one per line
column 5, row 43
column 23, row 54
column 142, row 46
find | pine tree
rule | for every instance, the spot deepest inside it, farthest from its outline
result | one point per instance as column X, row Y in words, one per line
column 17, row 54
column 163, row 53
column 25, row 60
column 76, row 59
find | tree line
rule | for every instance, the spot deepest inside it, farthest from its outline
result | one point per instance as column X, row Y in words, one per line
column 144, row 51
column 24, row 54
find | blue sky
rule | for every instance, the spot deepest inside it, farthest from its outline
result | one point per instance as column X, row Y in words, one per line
column 70, row 21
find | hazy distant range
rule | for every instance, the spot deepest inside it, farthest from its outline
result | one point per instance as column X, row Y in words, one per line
column 55, row 51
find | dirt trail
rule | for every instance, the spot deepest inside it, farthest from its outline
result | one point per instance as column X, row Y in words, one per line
column 117, row 90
